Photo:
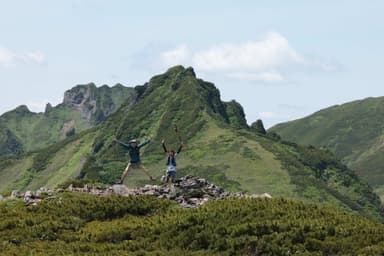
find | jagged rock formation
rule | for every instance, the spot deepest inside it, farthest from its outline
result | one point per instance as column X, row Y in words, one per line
column 48, row 108
column 83, row 107
column 188, row 191
column 94, row 103
column 258, row 126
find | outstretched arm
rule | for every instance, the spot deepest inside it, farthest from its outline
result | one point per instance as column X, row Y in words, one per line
column 144, row 143
column 121, row 143
column 180, row 147
column 164, row 147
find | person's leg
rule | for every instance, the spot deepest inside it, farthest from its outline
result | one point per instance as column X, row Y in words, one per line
column 166, row 177
column 163, row 178
column 173, row 177
column 145, row 171
column 125, row 173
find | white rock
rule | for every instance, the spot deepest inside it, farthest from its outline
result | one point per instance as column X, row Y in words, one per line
column 120, row 189
column 15, row 194
column 204, row 181
column 147, row 187
column 43, row 189
column 266, row 195
column 151, row 193
column 29, row 194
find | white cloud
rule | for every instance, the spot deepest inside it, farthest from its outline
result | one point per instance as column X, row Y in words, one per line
column 181, row 54
column 271, row 51
column 267, row 59
column 267, row 115
column 9, row 58
column 262, row 76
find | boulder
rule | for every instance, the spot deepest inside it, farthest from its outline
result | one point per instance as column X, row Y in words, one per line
column 29, row 194
column 188, row 191
column 15, row 194
column 120, row 189
column 70, row 187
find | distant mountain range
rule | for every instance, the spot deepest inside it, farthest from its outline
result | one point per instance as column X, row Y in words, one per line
column 218, row 145
column 83, row 107
column 354, row 132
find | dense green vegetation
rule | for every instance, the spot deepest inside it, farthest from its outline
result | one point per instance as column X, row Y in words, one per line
column 81, row 224
column 319, row 177
column 24, row 131
column 218, row 146
column 354, row 132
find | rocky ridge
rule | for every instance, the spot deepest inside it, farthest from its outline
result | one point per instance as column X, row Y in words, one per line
column 188, row 191
column 96, row 103
column 82, row 98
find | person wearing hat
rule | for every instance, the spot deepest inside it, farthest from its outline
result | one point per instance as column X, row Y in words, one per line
column 134, row 154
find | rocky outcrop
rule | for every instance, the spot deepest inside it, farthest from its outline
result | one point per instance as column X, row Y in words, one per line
column 258, row 127
column 188, row 191
column 96, row 103
column 82, row 98
column 48, row 108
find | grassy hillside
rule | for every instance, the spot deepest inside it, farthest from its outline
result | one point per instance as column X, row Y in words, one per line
column 353, row 131
column 218, row 146
column 81, row 224
column 84, row 106
column 48, row 167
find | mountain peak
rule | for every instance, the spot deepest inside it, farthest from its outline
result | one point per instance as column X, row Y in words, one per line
column 79, row 94
column 193, row 92
column 175, row 69
column 22, row 109
column 190, row 71
column 178, row 68
column 95, row 103
column 48, row 108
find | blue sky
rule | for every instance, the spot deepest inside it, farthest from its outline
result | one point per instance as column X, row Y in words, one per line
column 281, row 60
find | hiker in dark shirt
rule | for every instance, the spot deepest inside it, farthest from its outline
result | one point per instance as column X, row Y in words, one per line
column 170, row 163
column 134, row 154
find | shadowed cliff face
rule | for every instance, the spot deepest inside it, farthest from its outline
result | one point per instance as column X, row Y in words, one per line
column 82, row 98
column 94, row 103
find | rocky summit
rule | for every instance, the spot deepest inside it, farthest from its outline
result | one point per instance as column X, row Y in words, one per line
column 188, row 191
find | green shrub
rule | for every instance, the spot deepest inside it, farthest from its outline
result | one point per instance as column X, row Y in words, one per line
column 81, row 224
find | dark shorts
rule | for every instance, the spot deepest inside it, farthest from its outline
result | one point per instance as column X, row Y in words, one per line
column 171, row 174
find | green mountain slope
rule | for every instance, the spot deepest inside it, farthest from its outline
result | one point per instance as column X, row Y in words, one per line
column 219, row 146
column 84, row 106
column 353, row 131
column 81, row 224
